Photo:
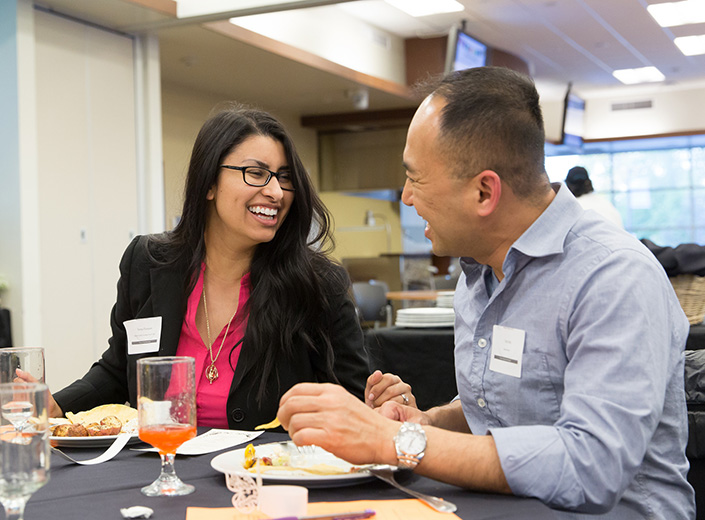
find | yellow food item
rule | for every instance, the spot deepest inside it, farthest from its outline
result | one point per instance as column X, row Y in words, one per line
column 274, row 424
column 95, row 415
column 249, row 456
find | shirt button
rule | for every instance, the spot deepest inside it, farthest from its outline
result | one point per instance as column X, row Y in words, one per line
column 482, row 342
column 481, row 402
column 238, row 415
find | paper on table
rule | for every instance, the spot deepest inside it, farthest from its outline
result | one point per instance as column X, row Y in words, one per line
column 212, row 440
column 386, row 510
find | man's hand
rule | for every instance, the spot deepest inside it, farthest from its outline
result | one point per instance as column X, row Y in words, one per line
column 330, row 417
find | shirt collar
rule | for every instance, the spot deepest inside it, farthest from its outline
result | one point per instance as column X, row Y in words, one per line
column 547, row 234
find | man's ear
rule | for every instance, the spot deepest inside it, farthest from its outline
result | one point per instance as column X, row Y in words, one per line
column 488, row 189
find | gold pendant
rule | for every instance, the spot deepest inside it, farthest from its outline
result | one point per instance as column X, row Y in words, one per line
column 211, row 373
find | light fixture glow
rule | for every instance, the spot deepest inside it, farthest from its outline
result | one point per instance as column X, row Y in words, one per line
column 671, row 14
column 418, row 8
column 640, row 75
column 691, row 45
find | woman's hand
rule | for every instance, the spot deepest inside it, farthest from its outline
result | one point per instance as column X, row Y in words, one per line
column 381, row 388
column 26, row 377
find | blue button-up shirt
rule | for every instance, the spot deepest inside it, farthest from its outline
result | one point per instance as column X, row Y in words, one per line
column 598, row 416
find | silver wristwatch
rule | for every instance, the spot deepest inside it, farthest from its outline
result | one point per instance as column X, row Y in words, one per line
column 410, row 443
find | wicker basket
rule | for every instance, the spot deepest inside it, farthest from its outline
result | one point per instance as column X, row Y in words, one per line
column 690, row 290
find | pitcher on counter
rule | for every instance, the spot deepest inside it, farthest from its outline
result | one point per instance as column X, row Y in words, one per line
column 569, row 337
column 239, row 284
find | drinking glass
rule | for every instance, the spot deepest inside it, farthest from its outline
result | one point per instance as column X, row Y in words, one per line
column 24, row 444
column 29, row 359
column 166, row 391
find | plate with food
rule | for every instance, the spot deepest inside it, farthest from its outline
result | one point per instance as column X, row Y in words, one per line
column 94, row 428
column 283, row 462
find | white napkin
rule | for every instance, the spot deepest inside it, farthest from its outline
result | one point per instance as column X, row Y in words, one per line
column 117, row 445
column 212, row 440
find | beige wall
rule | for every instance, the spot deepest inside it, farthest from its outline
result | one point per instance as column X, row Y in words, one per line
column 86, row 185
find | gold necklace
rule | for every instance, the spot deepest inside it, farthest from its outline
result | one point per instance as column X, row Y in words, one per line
column 212, row 371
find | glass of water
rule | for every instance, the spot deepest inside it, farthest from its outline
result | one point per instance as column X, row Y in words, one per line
column 24, row 444
column 29, row 359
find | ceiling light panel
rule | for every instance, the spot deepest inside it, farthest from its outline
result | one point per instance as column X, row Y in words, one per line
column 418, row 8
column 640, row 75
column 691, row 45
column 672, row 14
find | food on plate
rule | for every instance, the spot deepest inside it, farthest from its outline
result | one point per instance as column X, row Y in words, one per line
column 107, row 419
column 123, row 412
column 273, row 424
column 280, row 460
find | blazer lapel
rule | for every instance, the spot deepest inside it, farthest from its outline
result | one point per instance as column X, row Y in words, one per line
column 168, row 302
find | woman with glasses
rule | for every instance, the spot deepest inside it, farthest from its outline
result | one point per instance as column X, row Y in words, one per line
column 242, row 284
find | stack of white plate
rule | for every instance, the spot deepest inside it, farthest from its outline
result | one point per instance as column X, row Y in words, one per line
column 445, row 299
column 425, row 317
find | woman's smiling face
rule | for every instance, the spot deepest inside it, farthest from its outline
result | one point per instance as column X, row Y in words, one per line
column 249, row 214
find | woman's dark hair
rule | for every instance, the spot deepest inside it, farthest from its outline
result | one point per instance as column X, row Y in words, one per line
column 288, row 302
column 492, row 121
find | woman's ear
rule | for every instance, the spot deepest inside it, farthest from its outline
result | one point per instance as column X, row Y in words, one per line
column 211, row 193
column 488, row 188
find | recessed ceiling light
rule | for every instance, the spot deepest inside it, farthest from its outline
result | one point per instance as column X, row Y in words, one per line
column 641, row 75
column 684, row 12
column 419, row 8
column 691, row 45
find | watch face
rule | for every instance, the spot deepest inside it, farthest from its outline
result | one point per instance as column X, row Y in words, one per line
column 412, row 441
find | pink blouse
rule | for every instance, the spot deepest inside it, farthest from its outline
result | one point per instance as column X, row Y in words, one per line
column 211, row 399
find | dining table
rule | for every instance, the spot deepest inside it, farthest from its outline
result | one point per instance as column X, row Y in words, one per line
column 100, row 491
column 413, row 295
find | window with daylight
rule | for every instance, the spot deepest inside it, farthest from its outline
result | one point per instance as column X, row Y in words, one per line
column 658, row 185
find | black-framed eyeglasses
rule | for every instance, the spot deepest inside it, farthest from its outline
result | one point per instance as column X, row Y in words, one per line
column 258, row 176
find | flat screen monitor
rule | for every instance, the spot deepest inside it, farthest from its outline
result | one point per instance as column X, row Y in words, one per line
column 573, row 119
column 464, row 51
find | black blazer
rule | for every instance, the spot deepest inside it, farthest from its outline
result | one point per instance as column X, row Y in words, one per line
column 146, row 290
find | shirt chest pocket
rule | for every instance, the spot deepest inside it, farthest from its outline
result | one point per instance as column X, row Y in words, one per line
column 533, row 398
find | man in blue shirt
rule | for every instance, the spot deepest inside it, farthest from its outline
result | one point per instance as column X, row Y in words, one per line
column 569, row 337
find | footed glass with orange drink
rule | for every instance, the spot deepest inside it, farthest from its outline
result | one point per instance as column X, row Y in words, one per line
column 166, row 404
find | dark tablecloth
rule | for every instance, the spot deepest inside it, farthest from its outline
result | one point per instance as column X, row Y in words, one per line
column 421, row 357
column 90, row 492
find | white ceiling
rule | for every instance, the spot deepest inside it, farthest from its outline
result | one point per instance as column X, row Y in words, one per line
column 577, row 41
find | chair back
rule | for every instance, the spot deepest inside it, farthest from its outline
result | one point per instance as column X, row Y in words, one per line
column 371, row 302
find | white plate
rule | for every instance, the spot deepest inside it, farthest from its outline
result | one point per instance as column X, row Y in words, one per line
column 231, row 462
column 423, row 325
column 99, row 441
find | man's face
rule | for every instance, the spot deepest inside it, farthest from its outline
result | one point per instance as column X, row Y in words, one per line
column 430, row 187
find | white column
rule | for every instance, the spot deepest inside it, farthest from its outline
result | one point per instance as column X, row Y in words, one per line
column 148, row 107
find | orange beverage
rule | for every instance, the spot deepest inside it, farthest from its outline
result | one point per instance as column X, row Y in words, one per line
column 167, row 437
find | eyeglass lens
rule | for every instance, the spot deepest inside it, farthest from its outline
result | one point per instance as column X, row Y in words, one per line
column 255, row 176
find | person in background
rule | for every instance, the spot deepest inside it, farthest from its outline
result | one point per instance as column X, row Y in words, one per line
column 568, row 336
column 580, row 185
column 238, row 285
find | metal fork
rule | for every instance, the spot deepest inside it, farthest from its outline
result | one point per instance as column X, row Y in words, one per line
column 385, row 473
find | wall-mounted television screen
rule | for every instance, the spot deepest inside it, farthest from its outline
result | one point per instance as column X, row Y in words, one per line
column 573, row 119
column 464, row 51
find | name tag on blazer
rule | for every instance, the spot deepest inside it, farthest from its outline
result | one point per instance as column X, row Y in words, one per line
column 143, row 335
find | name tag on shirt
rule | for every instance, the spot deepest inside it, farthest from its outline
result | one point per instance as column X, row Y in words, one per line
column 143, row 335
column 507, row 350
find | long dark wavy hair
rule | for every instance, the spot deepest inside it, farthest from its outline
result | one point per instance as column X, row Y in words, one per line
column 289, row 300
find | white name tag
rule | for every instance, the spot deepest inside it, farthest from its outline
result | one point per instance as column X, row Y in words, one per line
column 143, row 335
column 507, row 350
